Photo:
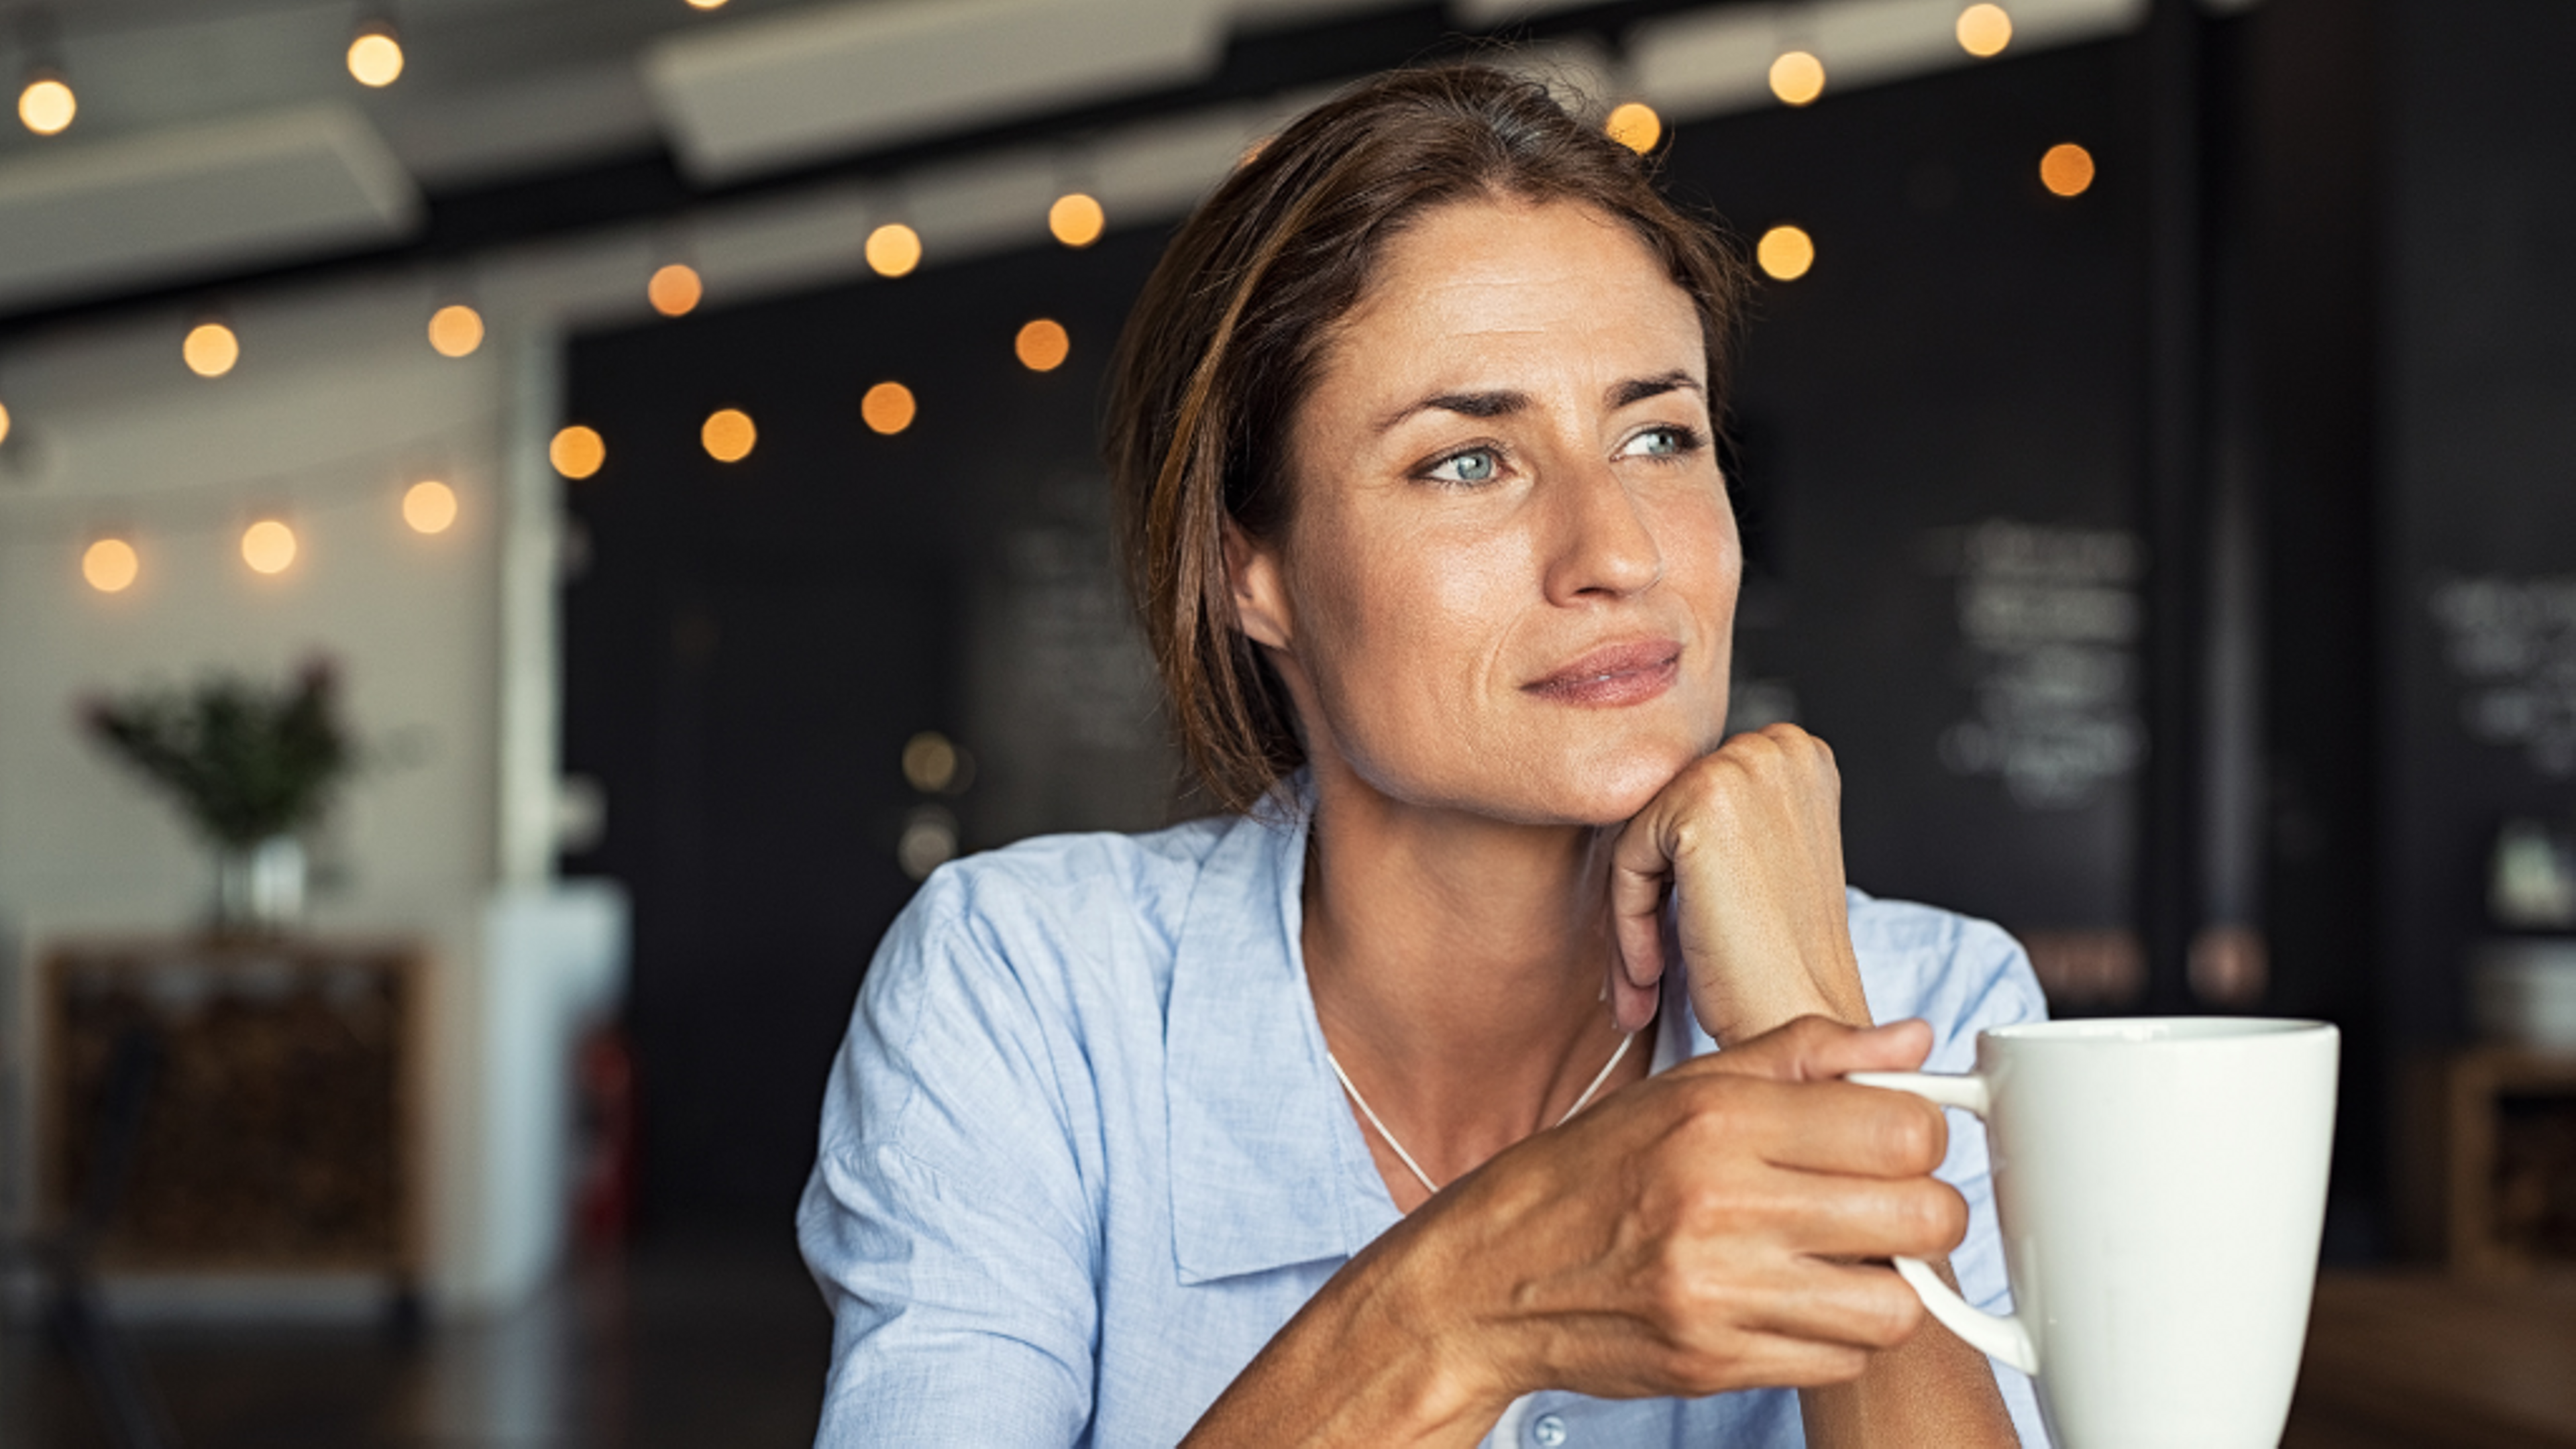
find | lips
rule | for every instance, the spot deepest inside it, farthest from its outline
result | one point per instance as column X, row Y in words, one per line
column 1614, row 675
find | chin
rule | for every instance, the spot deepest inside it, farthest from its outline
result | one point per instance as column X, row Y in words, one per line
column 1598, row 787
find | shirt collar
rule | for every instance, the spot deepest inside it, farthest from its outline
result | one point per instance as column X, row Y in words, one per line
column 1261, row 1145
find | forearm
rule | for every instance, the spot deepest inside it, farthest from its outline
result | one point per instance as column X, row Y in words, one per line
column 1932, row 1389
column 1363, row 1363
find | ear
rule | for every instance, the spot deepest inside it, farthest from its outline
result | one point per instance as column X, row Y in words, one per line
column 1260, row 590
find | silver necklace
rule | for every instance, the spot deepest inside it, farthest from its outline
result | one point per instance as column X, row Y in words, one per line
column 1407, row 1158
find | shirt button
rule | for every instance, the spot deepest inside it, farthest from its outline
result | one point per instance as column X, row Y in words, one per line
column 1548, row 1432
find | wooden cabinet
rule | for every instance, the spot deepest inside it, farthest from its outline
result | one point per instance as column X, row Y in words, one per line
column 2507, row 1125
column 274, row 1091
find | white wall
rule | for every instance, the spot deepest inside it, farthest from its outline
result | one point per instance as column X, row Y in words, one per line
column 337, row 404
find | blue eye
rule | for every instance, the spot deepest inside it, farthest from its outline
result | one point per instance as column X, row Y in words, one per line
column 1476, row 465
column 1660, row 443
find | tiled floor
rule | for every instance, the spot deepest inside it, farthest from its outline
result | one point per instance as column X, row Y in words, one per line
column 726, row 1348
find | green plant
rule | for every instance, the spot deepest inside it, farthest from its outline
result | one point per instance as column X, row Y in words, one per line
column 246, row 760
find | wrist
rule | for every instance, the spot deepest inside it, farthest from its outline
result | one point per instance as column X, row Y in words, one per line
column 1420, row 1304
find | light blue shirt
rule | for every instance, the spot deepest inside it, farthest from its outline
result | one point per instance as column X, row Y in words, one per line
column 1082, row 1154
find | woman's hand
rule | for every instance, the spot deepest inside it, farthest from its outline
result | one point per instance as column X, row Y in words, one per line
column 1748, row 839
column 1694, row 1233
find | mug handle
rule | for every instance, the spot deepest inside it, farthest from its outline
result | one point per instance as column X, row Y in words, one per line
column 2002, row 1337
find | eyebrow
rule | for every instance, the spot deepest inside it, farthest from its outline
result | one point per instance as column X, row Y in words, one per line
column 1504, row 402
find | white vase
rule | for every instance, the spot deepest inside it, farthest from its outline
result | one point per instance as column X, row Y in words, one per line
column 259, row 887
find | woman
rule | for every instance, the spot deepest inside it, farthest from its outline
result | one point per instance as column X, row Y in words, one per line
column 1391, row 1107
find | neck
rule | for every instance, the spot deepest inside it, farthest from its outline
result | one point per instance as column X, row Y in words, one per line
column 1457, row 964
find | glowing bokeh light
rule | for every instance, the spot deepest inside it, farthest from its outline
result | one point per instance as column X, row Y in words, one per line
column 728, row 435
column 268, row 546
column 455, row 330
column 888, row 407
column 930, row 762
column 110, row 565
column 1984, row 30
column 1635, row 126
column 2066, row 169
column 47, row 105
column 577, row 451
column 675, row 289
column 894, row 249
column 1076, row 219
column 1785, row 252
column 4, row 422
column 1042, row 345
column 1797, row 77
column 429, row 506
column 375, row 58
column 210, row 349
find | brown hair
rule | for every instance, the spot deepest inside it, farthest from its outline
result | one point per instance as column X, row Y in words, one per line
column 1224, row 342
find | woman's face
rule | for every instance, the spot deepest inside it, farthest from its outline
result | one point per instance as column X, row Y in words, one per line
column 1509, row 578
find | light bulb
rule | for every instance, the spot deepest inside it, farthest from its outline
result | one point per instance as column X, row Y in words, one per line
column 429, row 506
column 1785, row 253
column 728, row 435
column 1076, row 219
column 268, row 546
column 894, row 249
column 376, row 56
column 110, row 565
column 1797, row 77
column 1042, row 345
column 887, row 408
column 47, row 105
column 577, row 451
column 2066, row 169
column 210, row 349
column 675, row 289
column 1635, row 126
column 455, row 330
column 1984, row 30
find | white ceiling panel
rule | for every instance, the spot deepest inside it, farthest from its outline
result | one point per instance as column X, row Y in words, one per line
column 804, row 85
column 228, row 195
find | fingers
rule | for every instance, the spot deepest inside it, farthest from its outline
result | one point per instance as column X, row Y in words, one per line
column 1813, row 1049
column 1850, row 1305
column 1640, row 868
column 1821, row 1127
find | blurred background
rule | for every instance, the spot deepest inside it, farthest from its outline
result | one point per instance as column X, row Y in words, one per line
column 527, row 526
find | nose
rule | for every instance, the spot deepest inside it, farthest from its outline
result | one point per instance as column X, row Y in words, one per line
column 1602, row 542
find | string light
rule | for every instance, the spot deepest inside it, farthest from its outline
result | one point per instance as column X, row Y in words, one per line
column 1042, row 345
column 429, row 506
column 894, row 249
column 728, row 435
column 675, row 289
column 2066, row 169
column 1785, row 252
column 110, row 565
column 376, row 53
column 577, row 451
column 210, row 349
column 1076, row 219
column 1797, row 77
column 1984, row 30
column 268, row 546
column 1635, row 126
column 46, row 104
column 455, row 330
column 887, row 408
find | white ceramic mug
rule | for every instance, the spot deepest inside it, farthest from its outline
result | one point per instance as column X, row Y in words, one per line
column 2161, row 1185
